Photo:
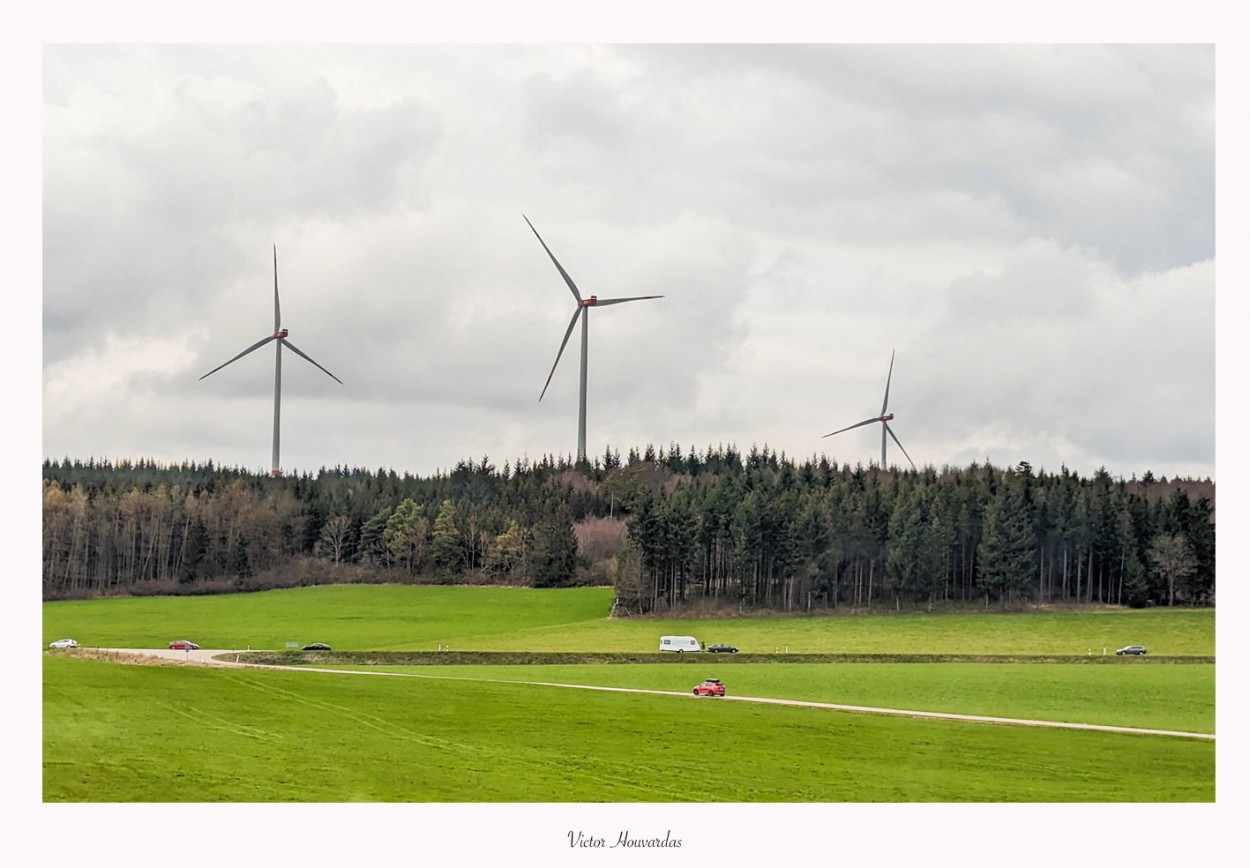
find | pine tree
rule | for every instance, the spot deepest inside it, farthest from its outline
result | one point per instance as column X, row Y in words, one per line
column 1008, row 542
column 445, row 548
column 240, row 564
column 405, row 535
column 555, row 550
column 194, row 549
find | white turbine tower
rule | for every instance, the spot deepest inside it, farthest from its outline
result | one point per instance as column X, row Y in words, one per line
column 280, row 339
column 884, row 419
column 582, row 309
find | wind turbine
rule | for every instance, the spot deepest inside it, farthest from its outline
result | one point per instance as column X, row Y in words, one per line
column 583, row 306
column 884, row 419
column 279, row 336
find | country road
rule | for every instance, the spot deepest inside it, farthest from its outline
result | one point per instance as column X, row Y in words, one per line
column 220, row 657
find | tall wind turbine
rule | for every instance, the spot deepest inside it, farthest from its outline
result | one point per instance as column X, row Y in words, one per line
column 884, row 419
column 279, row 336
column 583, row 306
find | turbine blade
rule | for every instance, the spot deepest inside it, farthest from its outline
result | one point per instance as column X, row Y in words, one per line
column 255, row 346
column 900, row 445
column 602, row 301
column 849, row 427
column 563, row 344
column 572, row 286
column 290, row 346
column 277, row 314
column 887, row 383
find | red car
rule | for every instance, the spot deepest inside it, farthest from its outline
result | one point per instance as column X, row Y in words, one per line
column 183, row 645
column 710, row 687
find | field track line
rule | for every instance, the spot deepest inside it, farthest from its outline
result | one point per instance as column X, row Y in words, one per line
column 212, row 658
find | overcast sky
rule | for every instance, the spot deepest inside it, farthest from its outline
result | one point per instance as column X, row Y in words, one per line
column 1030, row 229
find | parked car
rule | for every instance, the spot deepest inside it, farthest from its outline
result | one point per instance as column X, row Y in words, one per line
column 1131, row 649
column 710, row 687
column 64, row 643
column 317, row 646
column 183, row 645
column 722, row 649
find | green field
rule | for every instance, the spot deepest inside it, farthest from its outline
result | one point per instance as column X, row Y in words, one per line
column 130, row 733
column 395, row 617
column 1180, row 697
column 146, row 733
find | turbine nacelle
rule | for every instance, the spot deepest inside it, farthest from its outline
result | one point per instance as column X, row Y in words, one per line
column 588, row 302
column 281, row 333
column 887, row 417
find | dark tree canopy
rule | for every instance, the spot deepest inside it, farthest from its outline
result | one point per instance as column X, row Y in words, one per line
column 670, row 527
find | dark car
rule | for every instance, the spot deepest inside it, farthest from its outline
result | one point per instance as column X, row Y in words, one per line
column 317, row 646
column 183, row 645
column 722, row 649
column 1131, row 649
column 710, row 687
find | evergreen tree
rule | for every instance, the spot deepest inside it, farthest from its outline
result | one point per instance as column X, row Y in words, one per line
column 1200, row 533
column 1132, row 589
column 240, row 564
column 405, row 534
column 194, row 549
column 1008, row 542
column 373, row 537
column 757, row 529
column 913, row 554
column 554, row 559
column 445, row 548
column 629, row 582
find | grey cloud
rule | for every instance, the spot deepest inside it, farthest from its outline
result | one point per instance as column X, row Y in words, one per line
column 1094, row 145
column 1029, row 226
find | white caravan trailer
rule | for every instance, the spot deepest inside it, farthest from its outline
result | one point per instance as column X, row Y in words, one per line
column 679, row 643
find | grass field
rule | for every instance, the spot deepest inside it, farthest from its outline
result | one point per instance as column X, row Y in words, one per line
column 149, row 733
column 127, row 733
column 400, row 618
column 1180, row 697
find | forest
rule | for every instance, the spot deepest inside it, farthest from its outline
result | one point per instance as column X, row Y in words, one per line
column 672, row 530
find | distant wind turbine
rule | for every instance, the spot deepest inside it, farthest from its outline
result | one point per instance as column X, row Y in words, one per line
column 884, row 419
column 583, row 305
column 280, row 337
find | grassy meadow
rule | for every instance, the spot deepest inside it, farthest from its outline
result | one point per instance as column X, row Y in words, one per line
column 137, row 733
column 1179, row 697
column 165, row 733
column 423, row 618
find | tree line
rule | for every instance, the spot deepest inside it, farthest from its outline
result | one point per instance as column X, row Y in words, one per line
column 754, row 530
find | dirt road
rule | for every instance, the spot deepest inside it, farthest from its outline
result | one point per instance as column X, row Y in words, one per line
column 219, row 657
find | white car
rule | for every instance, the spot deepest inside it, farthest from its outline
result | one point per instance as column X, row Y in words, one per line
column 64, row 643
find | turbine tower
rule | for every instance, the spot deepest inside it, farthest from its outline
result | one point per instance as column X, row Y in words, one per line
column 279, row 336
column 884, row 419
column 583, row 306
